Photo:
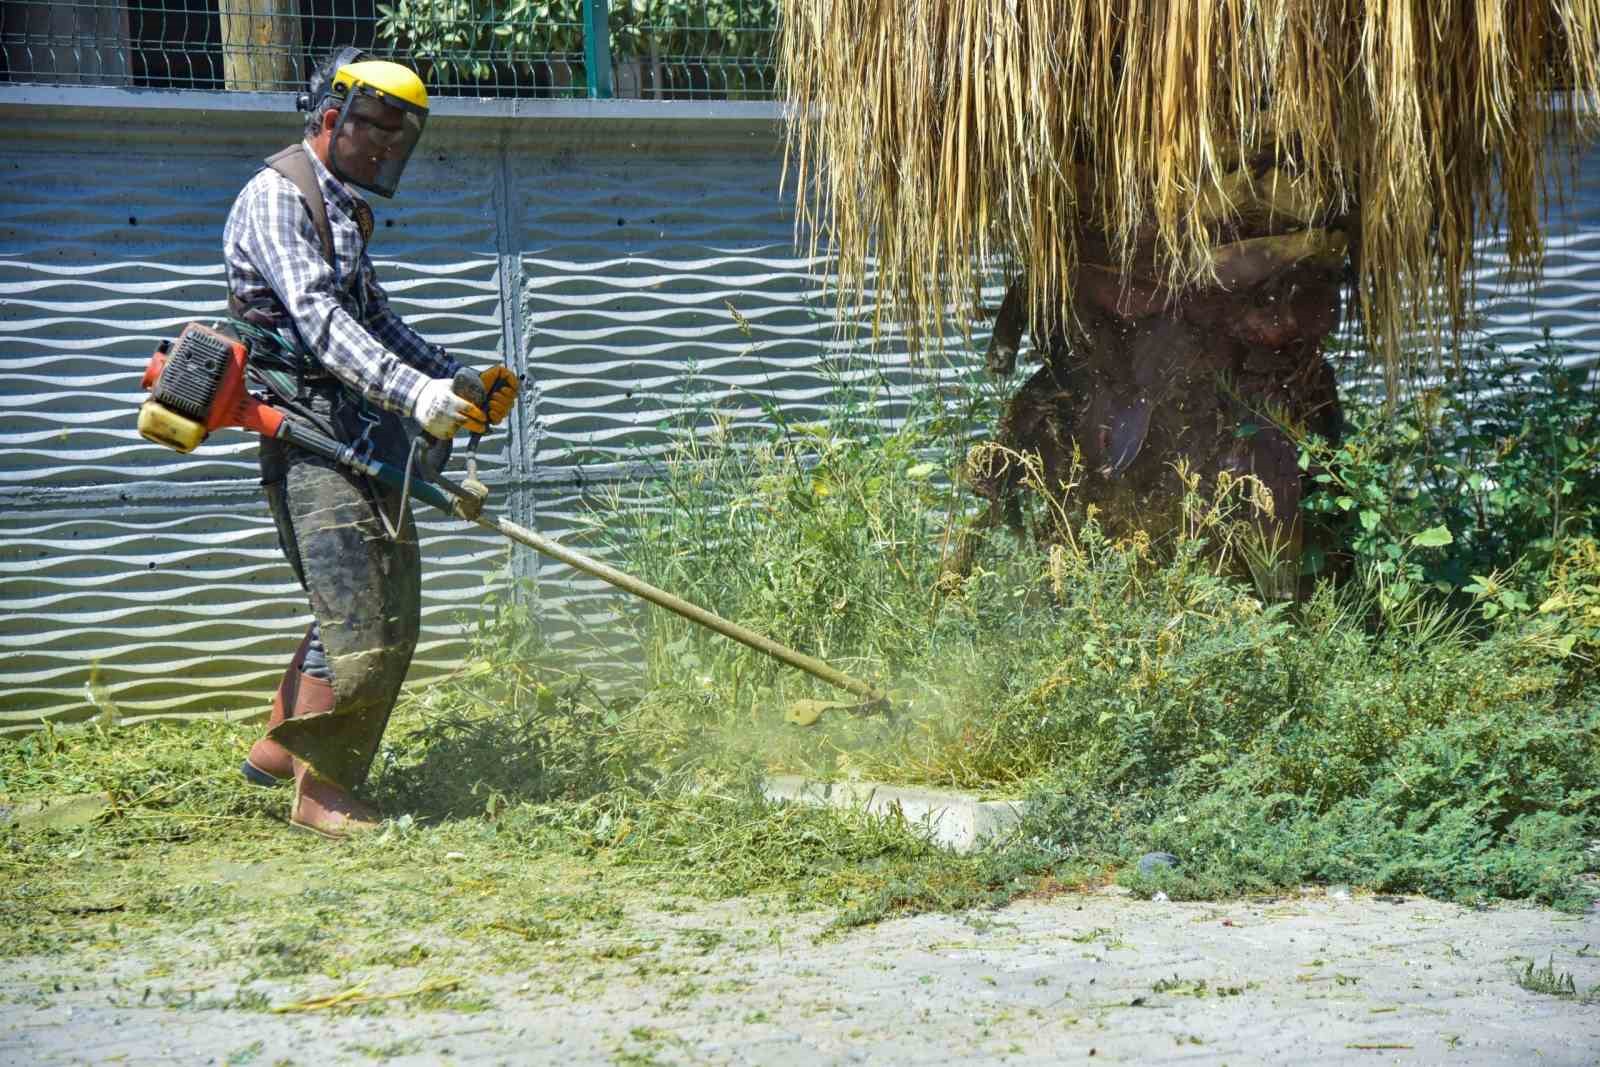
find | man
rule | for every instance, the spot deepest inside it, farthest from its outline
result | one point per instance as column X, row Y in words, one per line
column 296, row 250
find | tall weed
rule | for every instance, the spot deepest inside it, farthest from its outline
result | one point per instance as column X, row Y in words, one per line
column 1487, row 471
column 1386, row 731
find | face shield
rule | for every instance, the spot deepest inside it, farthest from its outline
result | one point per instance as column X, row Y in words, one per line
column 374, row 138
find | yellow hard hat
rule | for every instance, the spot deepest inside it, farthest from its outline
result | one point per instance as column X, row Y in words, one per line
column 394, row 83
column 382, row 107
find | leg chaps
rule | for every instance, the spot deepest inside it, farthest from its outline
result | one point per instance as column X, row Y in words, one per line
column 365, row 592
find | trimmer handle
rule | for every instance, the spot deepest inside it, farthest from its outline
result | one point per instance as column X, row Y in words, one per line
column 469, row 387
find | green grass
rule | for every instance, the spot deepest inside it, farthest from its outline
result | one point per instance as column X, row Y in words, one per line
column 1138, row 691
column 509, row 857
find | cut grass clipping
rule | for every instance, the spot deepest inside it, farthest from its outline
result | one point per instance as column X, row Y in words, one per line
column 1140, row 695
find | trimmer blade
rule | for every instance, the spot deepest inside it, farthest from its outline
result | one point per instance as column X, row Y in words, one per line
column 807, row 712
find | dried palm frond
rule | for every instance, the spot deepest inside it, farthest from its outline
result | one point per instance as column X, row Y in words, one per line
column 934, row 139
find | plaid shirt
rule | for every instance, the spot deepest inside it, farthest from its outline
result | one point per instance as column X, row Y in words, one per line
column 341, row 314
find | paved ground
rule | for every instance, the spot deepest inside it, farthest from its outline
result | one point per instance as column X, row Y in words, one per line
column 1311, row 980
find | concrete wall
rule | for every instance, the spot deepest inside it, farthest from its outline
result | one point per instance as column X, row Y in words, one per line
column 600, row 248
column 597, row 248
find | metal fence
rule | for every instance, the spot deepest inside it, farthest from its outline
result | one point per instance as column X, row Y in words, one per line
column 642, row 49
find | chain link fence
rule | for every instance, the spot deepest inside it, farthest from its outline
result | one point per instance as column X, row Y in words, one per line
column 642, row 49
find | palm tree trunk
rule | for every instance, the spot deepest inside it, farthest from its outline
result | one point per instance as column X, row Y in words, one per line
column 1145, row 378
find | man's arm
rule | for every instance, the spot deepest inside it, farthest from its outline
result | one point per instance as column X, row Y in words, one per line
column 499, row 382
column 276, row 234
column 391, row 330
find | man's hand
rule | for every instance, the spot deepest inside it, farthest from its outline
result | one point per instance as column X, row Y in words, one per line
column 502, row 387
column 442, row 413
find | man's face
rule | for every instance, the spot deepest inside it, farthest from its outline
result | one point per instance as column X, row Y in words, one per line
column 370, row 131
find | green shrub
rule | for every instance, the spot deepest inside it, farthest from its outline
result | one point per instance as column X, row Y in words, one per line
column 1384, row 732
column 1488, row 471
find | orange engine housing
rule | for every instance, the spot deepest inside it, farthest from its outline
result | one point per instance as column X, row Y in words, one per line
column 197, row 385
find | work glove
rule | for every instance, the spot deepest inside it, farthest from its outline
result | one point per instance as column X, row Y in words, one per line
column 501, row 387
column 442, row 413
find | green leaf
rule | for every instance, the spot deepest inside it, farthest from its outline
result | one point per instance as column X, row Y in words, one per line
column 1513, row 600
column 1435, row 537
column 1369, row 519
column 921, row 470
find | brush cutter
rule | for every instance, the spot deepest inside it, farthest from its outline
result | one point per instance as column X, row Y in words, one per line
column 197, row 385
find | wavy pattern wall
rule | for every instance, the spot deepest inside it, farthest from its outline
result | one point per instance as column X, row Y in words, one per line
column 636, row 262
column 1567, row 299
column 637, row 266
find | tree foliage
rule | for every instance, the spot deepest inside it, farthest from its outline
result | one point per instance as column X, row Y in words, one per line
column 467, row 37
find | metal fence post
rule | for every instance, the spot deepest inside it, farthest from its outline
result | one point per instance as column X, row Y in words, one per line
column 597, row 48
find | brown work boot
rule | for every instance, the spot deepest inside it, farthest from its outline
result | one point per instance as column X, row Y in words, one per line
column 324, row 808
column 269, row 763
column 321, row 805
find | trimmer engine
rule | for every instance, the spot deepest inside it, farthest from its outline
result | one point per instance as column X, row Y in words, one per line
column 197, row 385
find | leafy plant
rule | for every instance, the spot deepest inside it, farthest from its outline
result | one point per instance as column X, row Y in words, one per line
column 468, row 38
column 1470, row 486
column 710, row 28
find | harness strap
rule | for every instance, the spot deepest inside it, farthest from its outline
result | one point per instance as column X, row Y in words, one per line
column 293, row 164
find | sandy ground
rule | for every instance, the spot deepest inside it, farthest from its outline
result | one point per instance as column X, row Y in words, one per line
column 1074, row 977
